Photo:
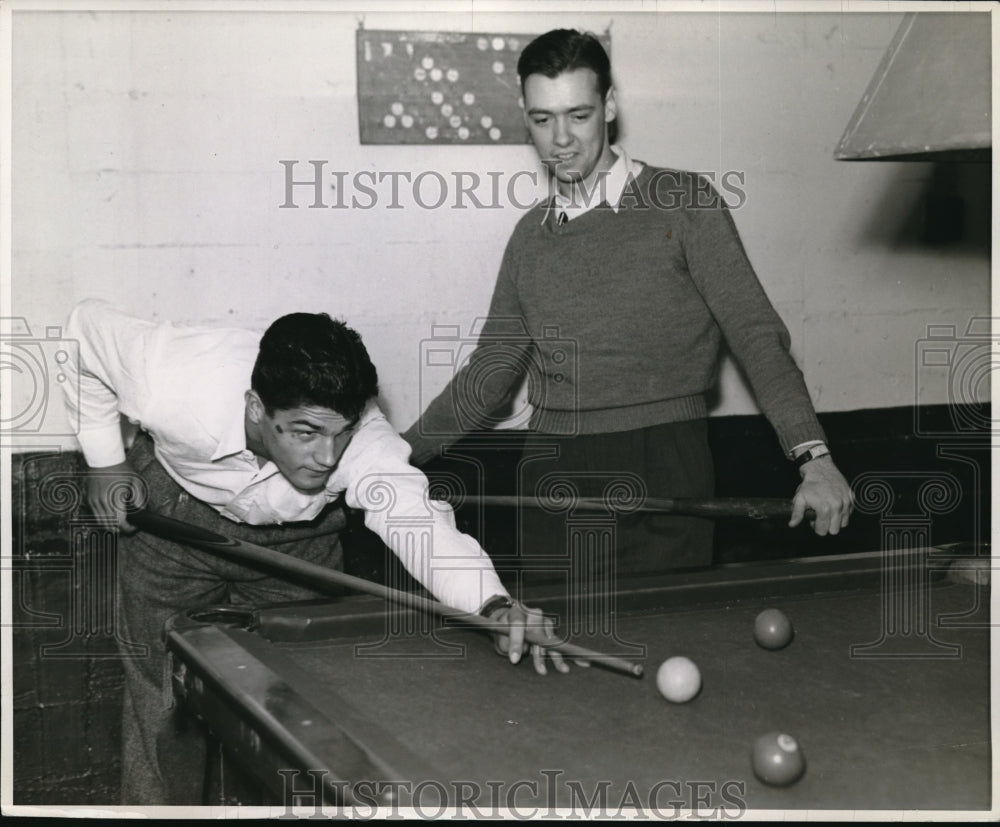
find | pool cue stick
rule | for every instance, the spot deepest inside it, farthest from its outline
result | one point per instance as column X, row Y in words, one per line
column 179, row 531
column 755, row 508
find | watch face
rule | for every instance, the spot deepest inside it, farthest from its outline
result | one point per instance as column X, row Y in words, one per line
column 495, row 604
column 813, row 453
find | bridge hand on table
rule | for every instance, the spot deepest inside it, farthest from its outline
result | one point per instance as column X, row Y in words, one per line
column 519, row 618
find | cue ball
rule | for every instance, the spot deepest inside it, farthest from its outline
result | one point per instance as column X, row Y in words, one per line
column 778, row 759
column 772, row 629
column 678, row 679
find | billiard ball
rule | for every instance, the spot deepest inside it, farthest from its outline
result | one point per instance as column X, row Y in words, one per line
column 777, row 759
column 772, row 629
column 678, row 679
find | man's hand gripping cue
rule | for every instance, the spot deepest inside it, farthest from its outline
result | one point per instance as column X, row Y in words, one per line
column 826, row 492
column 110, row 490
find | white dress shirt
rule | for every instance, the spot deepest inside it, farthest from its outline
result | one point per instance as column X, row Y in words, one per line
column 609, row 187
column 185, row 386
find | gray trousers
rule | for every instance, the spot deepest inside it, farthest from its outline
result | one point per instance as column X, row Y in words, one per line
column 163, row 751
column 671, row 460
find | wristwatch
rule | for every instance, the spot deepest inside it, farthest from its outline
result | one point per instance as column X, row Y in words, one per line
column 494, row 604
column 817, row 451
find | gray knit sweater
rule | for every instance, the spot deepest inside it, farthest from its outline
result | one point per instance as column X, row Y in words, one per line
column 618, row 319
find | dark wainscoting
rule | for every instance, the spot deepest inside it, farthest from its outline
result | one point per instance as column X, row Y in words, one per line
column 913, row 469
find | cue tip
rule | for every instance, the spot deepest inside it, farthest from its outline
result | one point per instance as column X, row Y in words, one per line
column 619, row 665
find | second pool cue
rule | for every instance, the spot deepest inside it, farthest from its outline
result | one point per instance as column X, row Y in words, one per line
column 754, row 508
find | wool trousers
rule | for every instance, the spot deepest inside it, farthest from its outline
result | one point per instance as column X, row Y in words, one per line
column 164, row 751
column 670, row 461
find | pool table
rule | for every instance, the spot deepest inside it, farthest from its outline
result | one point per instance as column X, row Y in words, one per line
column 885, row 685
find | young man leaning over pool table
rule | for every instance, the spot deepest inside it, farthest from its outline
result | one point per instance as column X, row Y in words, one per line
column 255, row 438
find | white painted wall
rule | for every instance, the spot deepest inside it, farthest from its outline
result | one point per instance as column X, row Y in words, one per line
column 146, row 150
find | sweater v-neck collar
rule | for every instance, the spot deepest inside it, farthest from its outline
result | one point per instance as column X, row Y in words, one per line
column 610, row 186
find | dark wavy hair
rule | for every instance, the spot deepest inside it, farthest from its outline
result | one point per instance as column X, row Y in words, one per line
column 311, row 359
column 563, row 50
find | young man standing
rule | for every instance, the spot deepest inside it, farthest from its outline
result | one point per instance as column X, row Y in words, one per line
column 256, row 438
column 642, row 268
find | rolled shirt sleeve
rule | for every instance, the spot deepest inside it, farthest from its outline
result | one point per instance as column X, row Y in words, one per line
column 111, row 376
column 422, row 532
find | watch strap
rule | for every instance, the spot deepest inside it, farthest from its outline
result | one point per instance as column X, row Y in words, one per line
column 495, row 603
column 810, row 454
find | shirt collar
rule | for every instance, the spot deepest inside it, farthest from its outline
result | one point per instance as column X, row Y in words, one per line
column 610, row 187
